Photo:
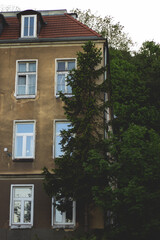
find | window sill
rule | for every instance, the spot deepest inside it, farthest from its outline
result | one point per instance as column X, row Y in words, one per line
column 66, row 95
column 21, row 226
column 63, row 226
column 25, row 96
column 23, row 160
column 28, row 37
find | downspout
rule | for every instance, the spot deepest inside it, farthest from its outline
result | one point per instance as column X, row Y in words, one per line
column 108, row 115
column 106, row 76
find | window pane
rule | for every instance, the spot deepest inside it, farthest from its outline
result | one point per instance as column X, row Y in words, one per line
column 62, row 126
column 69, row 89
column 31, row 79
column 29, row 146
column 31, row 31
column 21, row 89
column 26, row 26
column 31, row 83
column 69, row 214
column 61, row 83
column 17, row 212
column 32, row 67
column 22, row 192
column 19, row 146
column 58, row 147
column 22, row 67
column 22, row 80
column 58, row 216
column 71, row 65
column 31, row 90
column 27, row 211
column 59, row 127
column 25, row 128
column 61, row 66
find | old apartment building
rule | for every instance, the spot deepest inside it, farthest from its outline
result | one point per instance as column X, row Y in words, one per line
column 37, row 49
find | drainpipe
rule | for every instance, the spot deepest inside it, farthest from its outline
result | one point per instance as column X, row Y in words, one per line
column 106, row 76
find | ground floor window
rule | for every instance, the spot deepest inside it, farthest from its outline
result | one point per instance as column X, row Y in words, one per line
column 21, row 206
column 63, row 219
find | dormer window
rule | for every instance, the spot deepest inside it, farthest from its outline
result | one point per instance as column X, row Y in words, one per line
column 31, row 23
column 29, row 26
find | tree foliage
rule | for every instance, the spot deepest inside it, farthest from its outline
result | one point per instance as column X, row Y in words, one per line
column 136, row 196
column 135, row 145
column 107, row 27
column 7, row 8
column 125, row 182
column 147, row 61
column 131, row 196
column 82, row 144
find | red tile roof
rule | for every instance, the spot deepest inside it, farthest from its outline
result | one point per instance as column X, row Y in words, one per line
column 57, row 26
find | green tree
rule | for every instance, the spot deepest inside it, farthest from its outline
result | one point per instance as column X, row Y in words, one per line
column 135, row 145
column 129, row 93
column 135, row 199
column 147, row 61
column 7, row 8
column 83, row 142
column 107, row 27
column 131, row 199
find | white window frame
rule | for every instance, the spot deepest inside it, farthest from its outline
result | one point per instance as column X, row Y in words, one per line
column 35, row 26
column 16, row 122
column 64, row 224
column 63, row 72
column 57, row 134
column 12, row 199
column 27, row 73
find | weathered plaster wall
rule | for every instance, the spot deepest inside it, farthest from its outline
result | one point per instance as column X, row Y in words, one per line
column 44, row 108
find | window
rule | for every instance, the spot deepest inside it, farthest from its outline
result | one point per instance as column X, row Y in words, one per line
column 21, row 206
column 26, row 79
column 28, row 26
column 59, row 126
column 62, row 69
column 64, row 219
column 24, row 139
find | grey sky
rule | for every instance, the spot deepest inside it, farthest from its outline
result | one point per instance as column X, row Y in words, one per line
column 140, row 18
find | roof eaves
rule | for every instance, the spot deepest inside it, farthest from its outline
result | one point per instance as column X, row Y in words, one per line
column 58, row 39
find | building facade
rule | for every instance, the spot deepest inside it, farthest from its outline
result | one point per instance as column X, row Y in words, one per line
column 37, row 49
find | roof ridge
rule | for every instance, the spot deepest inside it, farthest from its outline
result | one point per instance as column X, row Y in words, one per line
column 82, row 24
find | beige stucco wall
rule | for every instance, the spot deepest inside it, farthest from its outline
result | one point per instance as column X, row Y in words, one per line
column 43, row 109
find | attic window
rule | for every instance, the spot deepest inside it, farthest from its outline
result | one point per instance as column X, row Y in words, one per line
column 29, row 26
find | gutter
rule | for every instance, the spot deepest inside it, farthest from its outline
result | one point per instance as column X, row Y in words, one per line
column 61, row 39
